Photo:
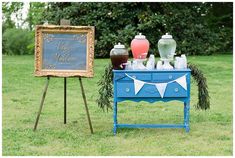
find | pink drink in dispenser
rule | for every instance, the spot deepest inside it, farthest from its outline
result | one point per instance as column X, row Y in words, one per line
column 139, row 47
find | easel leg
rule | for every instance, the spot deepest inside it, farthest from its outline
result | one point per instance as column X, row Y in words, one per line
column 84, row 99
column 65, row 100
column 41, row 104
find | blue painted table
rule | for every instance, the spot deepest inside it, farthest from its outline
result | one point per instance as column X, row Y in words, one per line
column 124, row 89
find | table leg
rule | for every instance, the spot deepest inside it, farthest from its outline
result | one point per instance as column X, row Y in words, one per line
column 186, row 115
column 114, row 118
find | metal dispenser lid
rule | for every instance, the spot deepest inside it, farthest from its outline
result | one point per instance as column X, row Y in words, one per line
column 140, row 36
column 167, row 36
column 119, row 45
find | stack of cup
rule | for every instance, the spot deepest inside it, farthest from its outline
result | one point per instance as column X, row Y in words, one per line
column 151, row 63
column 159, row 65
column 180, row 62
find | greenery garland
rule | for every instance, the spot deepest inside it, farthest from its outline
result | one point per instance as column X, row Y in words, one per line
column 203, row 94
column 106, row 88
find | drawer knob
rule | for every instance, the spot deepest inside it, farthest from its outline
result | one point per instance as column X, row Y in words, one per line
column 170, row 76
column 176, row 90
column 127, row 90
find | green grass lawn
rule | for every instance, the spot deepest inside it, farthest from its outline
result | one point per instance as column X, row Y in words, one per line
column 211, row 131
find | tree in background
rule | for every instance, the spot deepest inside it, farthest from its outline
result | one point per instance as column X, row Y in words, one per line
column 36, row 14
column 190, row 24
column 16, row 40
column 8, row 9
column 198, row 28
column 220, row 20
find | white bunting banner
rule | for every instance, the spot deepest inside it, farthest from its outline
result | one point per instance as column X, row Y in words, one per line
column 138, row 85
column 161, row 87
column 182, row 81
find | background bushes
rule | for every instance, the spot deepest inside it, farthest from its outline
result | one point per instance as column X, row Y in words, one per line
column 198, row 28
column 18, row 42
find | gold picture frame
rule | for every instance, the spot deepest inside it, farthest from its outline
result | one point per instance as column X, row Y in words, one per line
column 45, row 33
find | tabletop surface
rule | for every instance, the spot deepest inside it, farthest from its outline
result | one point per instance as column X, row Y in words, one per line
column 155, row 70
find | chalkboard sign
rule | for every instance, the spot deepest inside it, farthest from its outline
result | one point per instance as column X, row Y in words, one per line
column 64, row 51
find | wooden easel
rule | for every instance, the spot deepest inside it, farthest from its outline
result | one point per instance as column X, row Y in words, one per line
column 64, row 22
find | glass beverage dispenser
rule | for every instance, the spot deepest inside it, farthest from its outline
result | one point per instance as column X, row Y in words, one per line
column 139, row 48
column 119, row 55
column 167, row 47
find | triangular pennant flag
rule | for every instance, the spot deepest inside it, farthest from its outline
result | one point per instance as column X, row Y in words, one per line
column 138, row 85
column 182, row 81
column 161, row 87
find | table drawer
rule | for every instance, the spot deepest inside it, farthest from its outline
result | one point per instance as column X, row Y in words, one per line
column 166, row 76
column 126, row 89
column 138, row 76
column 175, row 90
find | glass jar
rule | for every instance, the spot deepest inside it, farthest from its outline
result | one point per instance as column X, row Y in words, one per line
column 167, row 47
column 119, row 55
column 139, row 47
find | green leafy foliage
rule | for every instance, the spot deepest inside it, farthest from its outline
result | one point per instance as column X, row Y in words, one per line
column 36, row 13
column 195, row 33
column 18, row 42
column 9, row 8
column 192, row 24
column 106, row 89
column 203, row 94
column 198, row 28
column 189, row 28
column 220, row 20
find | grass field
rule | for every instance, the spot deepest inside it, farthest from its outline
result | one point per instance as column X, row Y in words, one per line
column 211, row 131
